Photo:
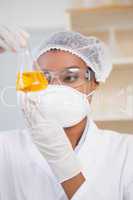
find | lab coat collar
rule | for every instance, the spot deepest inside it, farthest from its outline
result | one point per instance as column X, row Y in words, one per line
column 90, row 127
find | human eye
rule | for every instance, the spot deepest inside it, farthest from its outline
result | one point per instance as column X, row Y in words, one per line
column 70, row 75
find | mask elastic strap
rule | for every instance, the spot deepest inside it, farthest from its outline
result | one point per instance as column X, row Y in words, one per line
column 90, row 93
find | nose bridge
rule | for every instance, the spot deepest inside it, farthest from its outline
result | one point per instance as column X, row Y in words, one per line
column 56, row 79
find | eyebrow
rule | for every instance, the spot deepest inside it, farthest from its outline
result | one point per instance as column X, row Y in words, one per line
column 68, row 67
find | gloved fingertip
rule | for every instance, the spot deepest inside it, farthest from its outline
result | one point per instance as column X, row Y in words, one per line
column 2, row 50
column 25, row 34
column 14, row 50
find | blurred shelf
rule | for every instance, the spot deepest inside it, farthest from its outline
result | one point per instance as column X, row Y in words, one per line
column 104, row 16
column 123, row 62
column 113, row 119
column 105, row 8
column 119, row 126
column 113, row 25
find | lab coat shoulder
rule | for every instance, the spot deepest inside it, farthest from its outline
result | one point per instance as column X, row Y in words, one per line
column 115, row 140
column 19, row 143
column 15, row 139
column 122, row 145
column 24, row 173
column 106, row 143
column 13, row 133
column 109, row 147
column 128, row 167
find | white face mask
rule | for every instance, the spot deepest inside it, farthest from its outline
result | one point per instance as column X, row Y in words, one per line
column 60, row 103
column 63, row 104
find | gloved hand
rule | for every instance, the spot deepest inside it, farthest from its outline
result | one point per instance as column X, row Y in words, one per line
column 50, row 139
column 12, row 38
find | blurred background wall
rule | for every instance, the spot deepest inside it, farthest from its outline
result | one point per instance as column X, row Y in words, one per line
column 34, row 14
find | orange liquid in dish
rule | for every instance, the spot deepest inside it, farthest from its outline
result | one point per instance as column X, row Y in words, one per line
column 31, row 81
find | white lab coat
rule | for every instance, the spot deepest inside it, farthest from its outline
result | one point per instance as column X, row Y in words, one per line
column 106, row 157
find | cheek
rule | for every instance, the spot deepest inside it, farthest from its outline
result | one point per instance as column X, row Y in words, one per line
column 1, row 50
column 85, row 88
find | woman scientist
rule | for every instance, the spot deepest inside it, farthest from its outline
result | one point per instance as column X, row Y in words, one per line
column 62, row 154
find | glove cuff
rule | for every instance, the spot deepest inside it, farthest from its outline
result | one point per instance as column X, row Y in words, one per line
column 66, row 168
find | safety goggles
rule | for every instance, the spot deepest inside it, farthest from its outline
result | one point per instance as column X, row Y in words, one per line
column 72, row 76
